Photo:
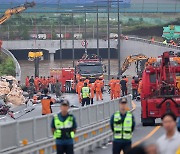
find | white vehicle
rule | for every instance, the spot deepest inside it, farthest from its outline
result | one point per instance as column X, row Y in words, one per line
column 58, row 35
column 42, row 36
column 78, row 36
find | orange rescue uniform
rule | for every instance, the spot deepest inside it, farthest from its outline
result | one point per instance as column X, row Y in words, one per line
column 27, row 82
column 36, row 83
column 78, row 89
column 46, row 102
column 117, row 89
column 112, row 87
column 98, row 86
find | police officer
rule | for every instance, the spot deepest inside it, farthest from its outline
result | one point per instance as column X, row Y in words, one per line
column 122, row 124
column 63, row 128
column 85, row 95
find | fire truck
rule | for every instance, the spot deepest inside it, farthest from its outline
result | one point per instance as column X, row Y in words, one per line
column 160, row 88
column 90, row 67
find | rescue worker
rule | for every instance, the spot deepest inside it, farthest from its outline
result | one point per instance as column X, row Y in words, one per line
column 126, row 79
column 31, row 90
column 134, row 84
column 46, row 102
column 31, row 80
column 58, row 88
column 123, row 83
column 92, row 89
column 98, row 87
column 122, row 125
column 63, row 128
column 152, row 39
column 85, row 95
column 165, row 42
column 140, row 86
column 27, row 82
column 117, row 89
column 44, row 83
column 86, row 81
column 112, row 88
column 36, row 83
column 53, row 81
column 78, row 89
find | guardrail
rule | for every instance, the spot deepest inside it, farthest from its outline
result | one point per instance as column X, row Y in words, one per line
column 155, row 42
column 93, row 122
column 18, row 68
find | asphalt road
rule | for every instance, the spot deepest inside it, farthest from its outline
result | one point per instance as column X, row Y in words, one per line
column 139, row 134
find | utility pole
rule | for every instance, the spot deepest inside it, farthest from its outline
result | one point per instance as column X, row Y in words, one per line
column 109, row 56
column 119, row 35
column 73, row 38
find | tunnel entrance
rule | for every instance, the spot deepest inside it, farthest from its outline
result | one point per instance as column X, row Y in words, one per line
column 67, row 53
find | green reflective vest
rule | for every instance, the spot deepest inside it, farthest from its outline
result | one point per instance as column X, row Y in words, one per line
column 63, row 130
column 85, row 92
column 122, row 130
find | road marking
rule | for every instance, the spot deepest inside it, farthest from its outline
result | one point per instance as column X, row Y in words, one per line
column 147, row 136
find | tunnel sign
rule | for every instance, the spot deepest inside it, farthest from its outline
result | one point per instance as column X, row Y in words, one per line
column 83, row 43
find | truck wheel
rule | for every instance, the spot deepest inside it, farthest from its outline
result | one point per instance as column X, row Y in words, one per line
column 148, row 121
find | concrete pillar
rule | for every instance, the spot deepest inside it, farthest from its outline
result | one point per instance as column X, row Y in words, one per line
column 51, row 57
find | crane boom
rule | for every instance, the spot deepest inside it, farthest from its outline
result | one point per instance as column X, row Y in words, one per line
column 9, row 12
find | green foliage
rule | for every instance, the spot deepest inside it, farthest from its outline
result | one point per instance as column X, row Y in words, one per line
column 7, row 66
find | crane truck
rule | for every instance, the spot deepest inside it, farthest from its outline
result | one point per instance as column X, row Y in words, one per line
column 160, row 92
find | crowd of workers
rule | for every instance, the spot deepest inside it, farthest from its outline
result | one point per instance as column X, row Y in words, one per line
column 86, row 91
column 35, row 85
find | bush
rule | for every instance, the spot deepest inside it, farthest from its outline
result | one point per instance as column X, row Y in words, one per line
column 7, row 66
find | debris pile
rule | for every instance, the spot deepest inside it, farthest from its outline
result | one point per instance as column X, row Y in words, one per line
column 10, row 91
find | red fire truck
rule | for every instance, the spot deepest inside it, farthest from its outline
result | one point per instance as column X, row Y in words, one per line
column 87, row 66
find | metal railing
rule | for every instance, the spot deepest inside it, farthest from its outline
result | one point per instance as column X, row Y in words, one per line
column 93, row 122
column 154, row 42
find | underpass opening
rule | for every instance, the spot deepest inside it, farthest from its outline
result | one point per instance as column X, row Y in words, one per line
column 78, row 53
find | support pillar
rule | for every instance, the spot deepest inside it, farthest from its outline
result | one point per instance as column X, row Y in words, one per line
column 51, row 57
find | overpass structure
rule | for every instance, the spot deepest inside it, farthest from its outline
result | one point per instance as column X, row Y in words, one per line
column 127, row 47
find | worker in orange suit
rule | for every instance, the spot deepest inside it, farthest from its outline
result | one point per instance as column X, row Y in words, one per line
column 140, row 86
column 92, row 89
column 134, row 84
column 36, row 83
column 46, row 102
column 112, row 88
column 44, row 83
column 117, row 89
column 98, row 88
column 87, row 80
column 78, row 89
column 27, row 82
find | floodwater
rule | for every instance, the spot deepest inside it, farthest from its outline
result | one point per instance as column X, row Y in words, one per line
column 27, row 67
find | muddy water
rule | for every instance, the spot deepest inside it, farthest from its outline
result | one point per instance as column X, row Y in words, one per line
column 27, row 67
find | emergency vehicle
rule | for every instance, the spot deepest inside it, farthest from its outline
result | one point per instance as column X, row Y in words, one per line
column 88, row 66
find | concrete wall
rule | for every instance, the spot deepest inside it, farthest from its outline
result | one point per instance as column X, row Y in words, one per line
column 53, row 45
